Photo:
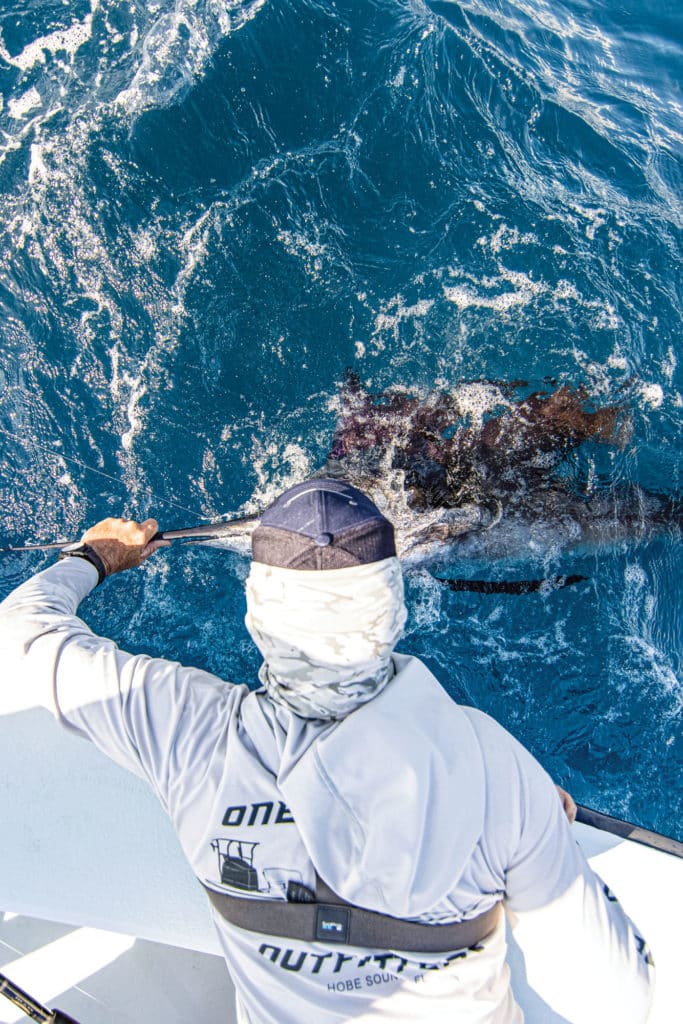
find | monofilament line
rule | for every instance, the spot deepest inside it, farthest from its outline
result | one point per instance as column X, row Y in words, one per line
column 100, row 472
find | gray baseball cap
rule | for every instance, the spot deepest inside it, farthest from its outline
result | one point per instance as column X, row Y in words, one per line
column 322, row 524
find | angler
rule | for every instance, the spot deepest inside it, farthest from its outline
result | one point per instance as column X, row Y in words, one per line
column 413, row 819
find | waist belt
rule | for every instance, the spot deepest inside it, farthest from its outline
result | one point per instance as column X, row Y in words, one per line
column 324, row 917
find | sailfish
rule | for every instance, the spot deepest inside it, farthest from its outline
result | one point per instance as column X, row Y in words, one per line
column 478, row 473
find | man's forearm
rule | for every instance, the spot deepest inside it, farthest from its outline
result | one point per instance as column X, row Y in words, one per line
column 35, row 621
column 39, row 618
column 59, row 590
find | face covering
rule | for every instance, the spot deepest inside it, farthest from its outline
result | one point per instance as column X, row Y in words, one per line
column 326, row 635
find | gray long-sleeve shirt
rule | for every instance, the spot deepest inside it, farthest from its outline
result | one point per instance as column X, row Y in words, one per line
column 412, row 806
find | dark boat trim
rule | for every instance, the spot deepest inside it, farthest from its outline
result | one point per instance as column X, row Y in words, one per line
column 627, row 830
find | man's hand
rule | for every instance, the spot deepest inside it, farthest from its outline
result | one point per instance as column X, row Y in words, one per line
column 568, row 804
column 123, row 543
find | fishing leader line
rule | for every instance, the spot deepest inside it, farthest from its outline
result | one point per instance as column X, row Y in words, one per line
column 100, row 472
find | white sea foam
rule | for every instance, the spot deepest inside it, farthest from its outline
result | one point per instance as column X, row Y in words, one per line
column 179, row 46
column 505, row 237
column 669, row 364
column 392, row 315
column 310, row 250
column 600, row 375
column 18, row 107
column 277, row 466
column 394, row 311
column 652, row 394
column 67, row 40
column 210, row 481
column 639, row 611
column 605, row 317
column 425, row 606
column 487, row 293
column 399, row 78
column 26, row 129
column 74, row 247
column 194, row 245
column 565, row 291
column 37, row 171
column 476, row 400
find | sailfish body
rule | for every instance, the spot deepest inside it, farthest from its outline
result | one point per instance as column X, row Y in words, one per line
column 476, row 474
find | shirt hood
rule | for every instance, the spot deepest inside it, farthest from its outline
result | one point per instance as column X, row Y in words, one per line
column 376, row 796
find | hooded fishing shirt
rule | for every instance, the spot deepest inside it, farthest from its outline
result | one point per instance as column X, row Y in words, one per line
column 411, row 805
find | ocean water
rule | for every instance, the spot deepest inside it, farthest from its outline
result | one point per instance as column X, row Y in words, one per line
column 210, row 210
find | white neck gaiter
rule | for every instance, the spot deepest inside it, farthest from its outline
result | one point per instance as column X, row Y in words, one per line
column 326, row 635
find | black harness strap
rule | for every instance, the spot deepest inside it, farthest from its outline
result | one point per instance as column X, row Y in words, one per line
column 327, row 918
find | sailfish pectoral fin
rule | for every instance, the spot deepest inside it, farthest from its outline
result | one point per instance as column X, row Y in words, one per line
column 511, row 586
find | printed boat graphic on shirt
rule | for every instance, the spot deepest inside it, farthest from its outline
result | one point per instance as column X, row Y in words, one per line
column 237, row 871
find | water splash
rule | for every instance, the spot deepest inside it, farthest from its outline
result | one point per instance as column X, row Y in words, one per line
column 178, row 47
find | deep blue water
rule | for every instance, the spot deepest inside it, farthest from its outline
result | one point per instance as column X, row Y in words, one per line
column 209, row 210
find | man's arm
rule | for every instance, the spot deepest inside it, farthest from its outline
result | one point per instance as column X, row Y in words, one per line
column 583, row 956
column 568, row 805
column 144, row 713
